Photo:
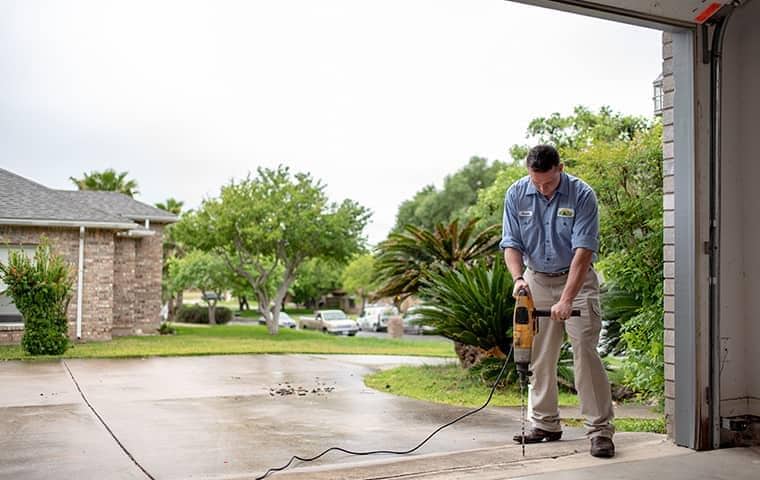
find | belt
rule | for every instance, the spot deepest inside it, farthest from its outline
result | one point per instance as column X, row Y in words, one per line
column 553, row 274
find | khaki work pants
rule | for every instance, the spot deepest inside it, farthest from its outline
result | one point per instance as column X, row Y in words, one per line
column 590, row 376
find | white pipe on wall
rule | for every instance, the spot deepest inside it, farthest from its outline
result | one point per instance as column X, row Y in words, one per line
column 80, row 282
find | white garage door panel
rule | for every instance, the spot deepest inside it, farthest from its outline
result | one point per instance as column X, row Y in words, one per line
column 674, row 12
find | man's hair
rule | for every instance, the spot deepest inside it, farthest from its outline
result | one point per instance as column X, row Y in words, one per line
column 542, row 158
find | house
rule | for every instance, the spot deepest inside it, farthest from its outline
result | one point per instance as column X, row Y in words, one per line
column 112, row 242
column 710, row 106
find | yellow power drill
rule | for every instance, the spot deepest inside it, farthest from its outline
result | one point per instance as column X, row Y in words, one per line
column 524, row 328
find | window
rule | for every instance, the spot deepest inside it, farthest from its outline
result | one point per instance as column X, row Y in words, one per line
column 657, row 96
column 8, row 311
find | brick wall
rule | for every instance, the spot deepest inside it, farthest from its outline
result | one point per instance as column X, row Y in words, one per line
column 148, row 265
column 98, row 275
column 124, row 286
column 669, row 230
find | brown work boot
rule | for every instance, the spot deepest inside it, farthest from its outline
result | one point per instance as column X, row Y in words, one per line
column 602, row 447
column 536, row 435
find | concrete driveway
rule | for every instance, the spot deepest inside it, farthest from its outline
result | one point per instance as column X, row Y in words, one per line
column 214, row 417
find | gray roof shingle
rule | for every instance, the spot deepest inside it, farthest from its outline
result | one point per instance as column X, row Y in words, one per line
column 25, row 202
column 119, row 204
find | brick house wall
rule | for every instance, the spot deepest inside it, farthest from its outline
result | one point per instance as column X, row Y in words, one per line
column 122, row 280
column 669, row 228
column 98, row 276
column 124, row 286
column 137, row 283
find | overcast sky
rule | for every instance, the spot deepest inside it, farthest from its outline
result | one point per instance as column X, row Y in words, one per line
column 375, row 98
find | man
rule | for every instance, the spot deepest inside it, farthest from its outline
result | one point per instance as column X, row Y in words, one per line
column 551, row 226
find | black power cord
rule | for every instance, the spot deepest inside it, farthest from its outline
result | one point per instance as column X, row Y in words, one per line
column 396, row 452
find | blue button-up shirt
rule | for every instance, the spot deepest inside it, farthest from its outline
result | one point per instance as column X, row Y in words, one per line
column 547, row 232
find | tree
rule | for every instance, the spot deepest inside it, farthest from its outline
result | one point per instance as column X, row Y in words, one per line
column 171, row 248
column 171, row 205
column 404, row 259
column 359, row 277
column 107, row 180
column 430, row 206
column 267, row 226
column 490, row 204
column 204, row 271
column 315, row 278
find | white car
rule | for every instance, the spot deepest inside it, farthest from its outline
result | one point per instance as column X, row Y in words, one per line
column 375, row 317
column 411, row 322
column 284, row 321
column 330, row 321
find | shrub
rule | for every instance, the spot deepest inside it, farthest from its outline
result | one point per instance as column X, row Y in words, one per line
column 41, row 289
column 199, row 314
column 166, row 328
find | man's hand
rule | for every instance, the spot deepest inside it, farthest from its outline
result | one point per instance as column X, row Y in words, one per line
column 520, row 283
column 561, row 311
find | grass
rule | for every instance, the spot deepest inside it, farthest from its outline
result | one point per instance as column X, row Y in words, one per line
column 239, row 339
column 449, row 384
column 627, row 424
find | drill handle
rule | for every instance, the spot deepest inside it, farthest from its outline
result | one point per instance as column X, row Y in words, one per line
column 547, row 313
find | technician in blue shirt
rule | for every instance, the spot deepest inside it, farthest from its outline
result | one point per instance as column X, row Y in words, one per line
column 550, row 238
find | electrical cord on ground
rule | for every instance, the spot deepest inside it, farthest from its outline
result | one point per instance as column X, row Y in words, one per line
column 395, row 452
column 124, row 449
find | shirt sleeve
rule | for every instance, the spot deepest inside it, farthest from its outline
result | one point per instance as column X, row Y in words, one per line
column 586, row 226
column 510, row 228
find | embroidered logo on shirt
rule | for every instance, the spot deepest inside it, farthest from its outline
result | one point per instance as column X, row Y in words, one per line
column 565, row 212
column 525, row 213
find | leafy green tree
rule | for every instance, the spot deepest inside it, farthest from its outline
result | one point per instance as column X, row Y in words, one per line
column 430, row 206
column 490, row 204
column 171, row 248
column 627, row 177
column 574, row 133
column 359, row 277
column 204, row 271
column 404, row 259
column 41, row 289
column 316, row 278
column 269, row 225
column 108, row 180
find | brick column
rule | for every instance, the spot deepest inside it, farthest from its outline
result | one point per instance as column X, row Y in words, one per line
column 669, row 228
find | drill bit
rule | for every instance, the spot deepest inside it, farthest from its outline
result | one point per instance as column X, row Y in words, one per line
column 522, row 414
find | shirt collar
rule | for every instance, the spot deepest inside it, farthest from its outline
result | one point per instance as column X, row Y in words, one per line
column 563, row 188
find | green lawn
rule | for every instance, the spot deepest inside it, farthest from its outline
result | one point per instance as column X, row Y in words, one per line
column 236, row 339
column 449, row 384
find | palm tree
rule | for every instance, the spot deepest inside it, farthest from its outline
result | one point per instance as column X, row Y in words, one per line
column 171, row 205
column 404, row 259
column 107, row 180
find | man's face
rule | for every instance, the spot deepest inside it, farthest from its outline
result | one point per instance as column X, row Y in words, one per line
column 546, row 182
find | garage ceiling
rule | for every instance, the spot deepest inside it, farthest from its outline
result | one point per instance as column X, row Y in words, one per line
column 652, row 13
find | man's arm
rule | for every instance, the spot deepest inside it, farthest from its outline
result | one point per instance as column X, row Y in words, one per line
column 582, row 258
column 514, row 260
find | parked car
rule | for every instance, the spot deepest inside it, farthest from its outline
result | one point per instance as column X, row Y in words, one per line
column 330, row 321
column 284, row 321
column 411, row 320
column 375, row 317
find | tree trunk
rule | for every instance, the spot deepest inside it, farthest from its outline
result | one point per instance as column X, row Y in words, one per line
column 180, row 300
column 212, row 312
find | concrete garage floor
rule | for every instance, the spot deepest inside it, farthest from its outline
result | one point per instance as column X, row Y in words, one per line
column 217, row 417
